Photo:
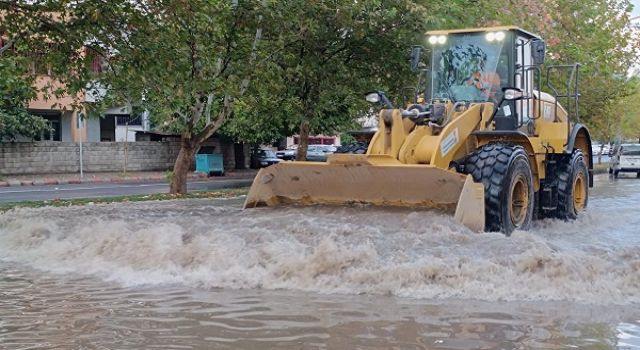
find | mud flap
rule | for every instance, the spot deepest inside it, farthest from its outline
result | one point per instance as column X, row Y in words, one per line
column 470, row 208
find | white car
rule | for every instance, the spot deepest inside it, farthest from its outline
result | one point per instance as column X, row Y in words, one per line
column 597, row 148
column 626, row 159
column 287, row 154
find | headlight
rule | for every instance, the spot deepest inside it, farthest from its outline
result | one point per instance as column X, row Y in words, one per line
column 433, row 40
column 442, row 39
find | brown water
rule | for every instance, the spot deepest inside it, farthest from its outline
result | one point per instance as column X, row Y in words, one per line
column 202, row 274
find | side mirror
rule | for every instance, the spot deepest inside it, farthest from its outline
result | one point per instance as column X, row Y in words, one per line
column 378, row 97
column 416, row 55
column 538, row 48
column 373, row 97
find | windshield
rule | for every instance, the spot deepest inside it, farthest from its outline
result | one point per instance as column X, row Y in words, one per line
column 633, row 150
column 468, row 67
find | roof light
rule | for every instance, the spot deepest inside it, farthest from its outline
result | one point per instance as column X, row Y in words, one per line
column 437, row 39
column 495, row 36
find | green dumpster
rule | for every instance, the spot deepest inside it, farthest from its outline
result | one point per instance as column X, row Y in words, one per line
column 210, row 164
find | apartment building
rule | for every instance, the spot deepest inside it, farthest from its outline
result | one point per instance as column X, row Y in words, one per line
column 66, row 122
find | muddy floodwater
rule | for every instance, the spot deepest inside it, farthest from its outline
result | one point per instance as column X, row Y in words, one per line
column 203, row 274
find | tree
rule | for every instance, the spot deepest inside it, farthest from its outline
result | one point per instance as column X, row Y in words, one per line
column 630, row 113
column 16, row 82
column 16, row 90
column 187, row 62
column 323, row 60
column 330, row 53
column 597, row 34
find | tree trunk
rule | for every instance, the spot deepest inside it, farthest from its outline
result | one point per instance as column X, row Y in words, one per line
column 181, row 168
column 303, row 141
column 600, row 153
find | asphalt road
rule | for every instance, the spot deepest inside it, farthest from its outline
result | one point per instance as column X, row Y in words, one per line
column 34, row 193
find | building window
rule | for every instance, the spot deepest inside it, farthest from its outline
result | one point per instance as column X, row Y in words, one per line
column 98, row 64
column 54, row 131
column 53, row 134
column 130, row 120
column 39, row 63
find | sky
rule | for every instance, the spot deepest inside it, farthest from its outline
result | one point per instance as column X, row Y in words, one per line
column 636, row 7
column 635, row 13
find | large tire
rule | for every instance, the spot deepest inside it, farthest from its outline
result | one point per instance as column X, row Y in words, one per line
column 353, row 148
column 573, row 186
column 505, row 172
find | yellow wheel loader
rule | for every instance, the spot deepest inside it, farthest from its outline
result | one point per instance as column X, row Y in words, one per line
column 481, row 140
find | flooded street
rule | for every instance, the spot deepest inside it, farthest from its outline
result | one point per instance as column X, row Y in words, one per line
column 203, row 274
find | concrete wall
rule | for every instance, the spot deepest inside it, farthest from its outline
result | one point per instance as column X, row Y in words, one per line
column 63, row 157
column 48, row 157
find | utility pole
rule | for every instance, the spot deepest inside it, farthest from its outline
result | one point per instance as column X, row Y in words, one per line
column 81, row 129
column 126, row 146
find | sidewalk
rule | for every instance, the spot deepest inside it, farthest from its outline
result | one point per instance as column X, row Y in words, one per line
column 131, row 177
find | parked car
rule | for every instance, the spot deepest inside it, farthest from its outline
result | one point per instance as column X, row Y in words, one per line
column 596, row 148
column 287, row 154
column 600, row 149
column 329, row 148
column 319, row 153
column 626, row 159
column 263, row 158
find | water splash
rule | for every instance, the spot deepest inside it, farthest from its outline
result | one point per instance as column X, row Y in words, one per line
column 353, row 250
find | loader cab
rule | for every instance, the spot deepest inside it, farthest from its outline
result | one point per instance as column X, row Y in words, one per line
column 476, row 65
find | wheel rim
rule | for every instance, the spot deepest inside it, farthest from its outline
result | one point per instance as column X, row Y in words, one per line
column 519, row 200
column 579, row 192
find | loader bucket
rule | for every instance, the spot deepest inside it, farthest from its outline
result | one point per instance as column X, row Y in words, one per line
column 373, row 179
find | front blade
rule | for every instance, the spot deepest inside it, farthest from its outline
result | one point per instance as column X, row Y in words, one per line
column 396, row 184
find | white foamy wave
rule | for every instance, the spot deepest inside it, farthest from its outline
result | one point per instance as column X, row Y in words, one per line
column 325, row 250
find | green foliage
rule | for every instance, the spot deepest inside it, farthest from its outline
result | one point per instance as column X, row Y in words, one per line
column 169, row 175
column 323, row 56
column 200, row 65
column 629, row 110
column 597, row 34
column 185, row 61
column 346, row 139
column 15, row 93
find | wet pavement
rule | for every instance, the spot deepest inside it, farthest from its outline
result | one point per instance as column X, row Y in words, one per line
column 203, row 274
